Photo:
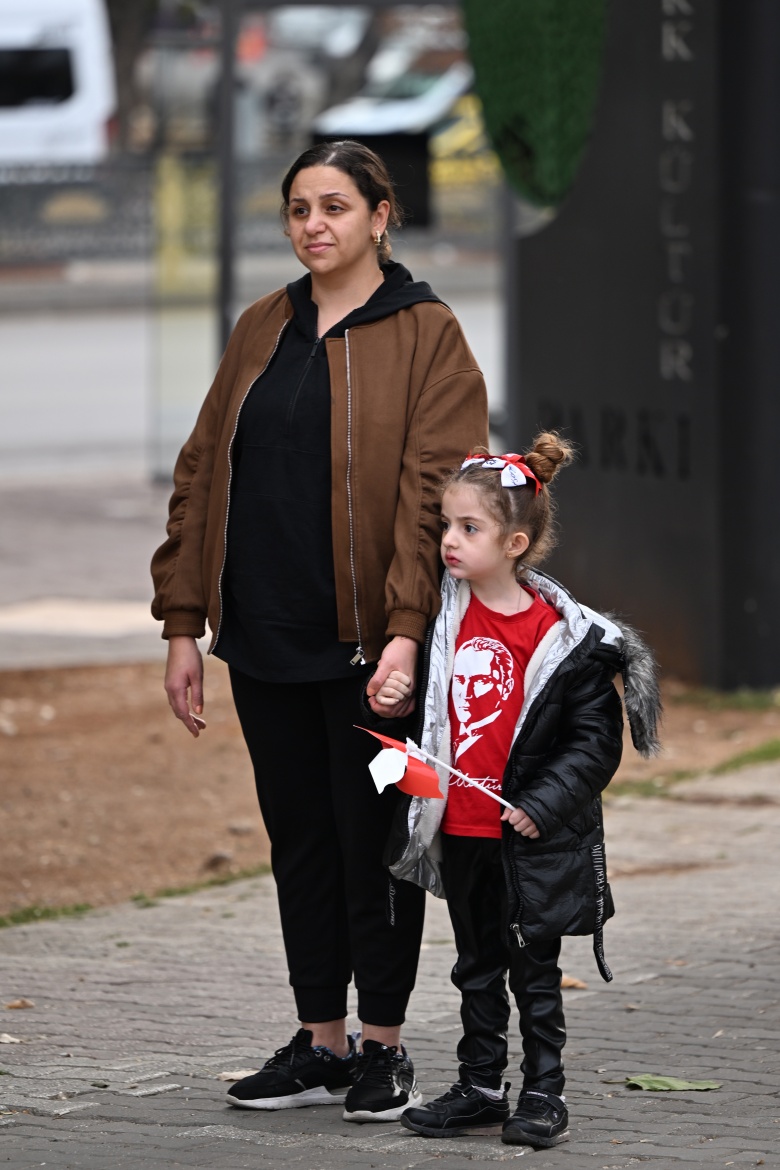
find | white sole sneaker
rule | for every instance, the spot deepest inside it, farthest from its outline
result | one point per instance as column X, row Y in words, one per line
column 363, row 1115
column 316, row 1096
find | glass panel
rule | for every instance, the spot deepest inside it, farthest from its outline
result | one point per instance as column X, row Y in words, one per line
column 31, row 77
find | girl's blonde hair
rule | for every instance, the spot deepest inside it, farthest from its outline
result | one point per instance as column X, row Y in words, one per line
column 521, row 509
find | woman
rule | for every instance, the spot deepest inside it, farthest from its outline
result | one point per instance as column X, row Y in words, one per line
column 304, row 527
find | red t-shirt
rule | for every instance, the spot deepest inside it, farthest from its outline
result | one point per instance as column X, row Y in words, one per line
column 492, row 652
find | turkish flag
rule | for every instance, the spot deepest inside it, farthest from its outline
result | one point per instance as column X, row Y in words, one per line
column 395, row 765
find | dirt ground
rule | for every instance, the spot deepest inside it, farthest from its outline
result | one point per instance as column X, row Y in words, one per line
column 104, row 796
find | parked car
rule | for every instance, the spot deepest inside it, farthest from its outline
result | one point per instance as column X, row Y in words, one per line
column 411, row 102
column 57, row 85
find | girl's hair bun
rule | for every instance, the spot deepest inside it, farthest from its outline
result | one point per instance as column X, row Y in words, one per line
column 549, row 453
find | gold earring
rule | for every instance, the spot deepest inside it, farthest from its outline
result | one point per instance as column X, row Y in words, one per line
column 377, row 238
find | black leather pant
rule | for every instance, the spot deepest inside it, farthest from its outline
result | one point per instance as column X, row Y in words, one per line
column 476, row 896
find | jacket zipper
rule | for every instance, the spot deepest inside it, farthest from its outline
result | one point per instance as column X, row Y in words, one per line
column 514, row 927
column 301, row 380
column 230, row 481
column 358, row 659
column 422, row 684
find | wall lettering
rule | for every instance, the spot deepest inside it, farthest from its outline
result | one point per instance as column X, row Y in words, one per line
column 675, row 170
column 675, row 312
column 677, row 252
column 675, row 361
column 675, row 127
column 624, row 441
column 614, row 434
column 649, row 460
column 674, row 46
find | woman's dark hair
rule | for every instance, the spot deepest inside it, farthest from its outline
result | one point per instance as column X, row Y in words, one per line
column 521, row 509
column 367, row 171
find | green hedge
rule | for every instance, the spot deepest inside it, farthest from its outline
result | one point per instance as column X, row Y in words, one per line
column 538, row 65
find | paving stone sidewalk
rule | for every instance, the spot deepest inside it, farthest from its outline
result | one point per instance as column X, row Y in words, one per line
column 139, row 1010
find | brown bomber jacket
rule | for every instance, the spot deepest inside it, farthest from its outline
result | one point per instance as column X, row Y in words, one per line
column 407, row 402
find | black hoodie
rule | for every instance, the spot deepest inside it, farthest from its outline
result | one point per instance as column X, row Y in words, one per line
column 279, row 595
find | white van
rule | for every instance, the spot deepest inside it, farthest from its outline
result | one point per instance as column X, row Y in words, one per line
column 57, row 87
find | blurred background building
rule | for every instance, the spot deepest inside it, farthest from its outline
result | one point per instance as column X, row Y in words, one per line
column 122, row 213
column 593, row 187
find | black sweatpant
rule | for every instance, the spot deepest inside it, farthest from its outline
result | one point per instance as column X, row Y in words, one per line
column 341, row 911
column 476, row 897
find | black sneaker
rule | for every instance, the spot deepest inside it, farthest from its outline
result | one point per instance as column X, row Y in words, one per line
column 383, row 1085
column 540, row 1120
column 462, row 1109
column 297, row 1075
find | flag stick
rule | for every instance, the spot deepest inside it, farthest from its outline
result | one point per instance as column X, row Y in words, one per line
column 455, row 772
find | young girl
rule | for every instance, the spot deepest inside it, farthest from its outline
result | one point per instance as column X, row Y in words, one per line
column 519, row 691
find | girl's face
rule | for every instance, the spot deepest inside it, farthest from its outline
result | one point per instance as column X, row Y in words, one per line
column 473, row 546
column 331, row 227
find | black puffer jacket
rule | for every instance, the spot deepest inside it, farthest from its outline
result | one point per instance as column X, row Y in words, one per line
column 567, row 746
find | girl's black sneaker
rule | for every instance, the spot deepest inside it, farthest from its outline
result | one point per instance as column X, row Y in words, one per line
column 297, row 1075
column 540, row 1120
column 384, row 1084
column 461, row 1110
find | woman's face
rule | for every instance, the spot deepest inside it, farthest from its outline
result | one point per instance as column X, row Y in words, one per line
column 332, row 228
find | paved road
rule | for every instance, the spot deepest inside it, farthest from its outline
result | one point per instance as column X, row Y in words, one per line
column 74, row 571
column 138, row 1011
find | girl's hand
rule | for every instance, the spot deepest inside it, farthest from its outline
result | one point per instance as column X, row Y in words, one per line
column 184, row 681
column 399, row 657
column 396, row 688
column 521, row 822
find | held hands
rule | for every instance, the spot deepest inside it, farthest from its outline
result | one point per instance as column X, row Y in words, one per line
column 396, row 688
column 184, row 680
column 390, row 691
column 521, row 822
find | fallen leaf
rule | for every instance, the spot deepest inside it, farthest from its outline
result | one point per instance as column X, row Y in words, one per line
column 658, row 1084
column 6, row 1039
column 718, row 1033
column 238, row 1075
column 570, row 981
column 632, row 1007
column 19, row 1003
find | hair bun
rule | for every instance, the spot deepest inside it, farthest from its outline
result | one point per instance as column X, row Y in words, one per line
column 549, row 453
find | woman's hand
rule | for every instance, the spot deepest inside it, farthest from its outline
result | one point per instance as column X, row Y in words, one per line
column 184, row 681
column 521, row 822
column 399, row 658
